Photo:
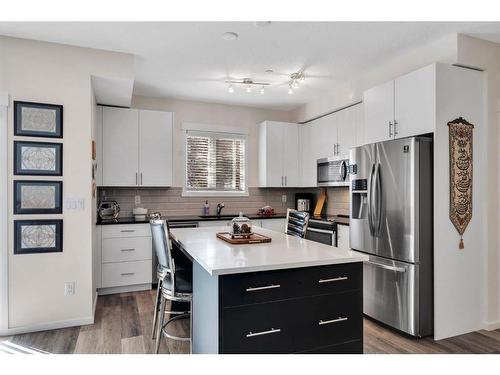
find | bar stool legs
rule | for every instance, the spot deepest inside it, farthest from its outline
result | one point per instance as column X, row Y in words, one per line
column 157, row 307
column 162, row 325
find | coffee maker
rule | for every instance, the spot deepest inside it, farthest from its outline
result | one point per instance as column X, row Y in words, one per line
column 304, row 202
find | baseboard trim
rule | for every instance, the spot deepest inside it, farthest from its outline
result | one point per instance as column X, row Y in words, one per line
column 48, row 326
column 124, row 289
column 491, row 326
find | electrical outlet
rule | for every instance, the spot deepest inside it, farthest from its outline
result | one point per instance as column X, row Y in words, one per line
column 69, row 289
column 283, row 198
column 137, row 199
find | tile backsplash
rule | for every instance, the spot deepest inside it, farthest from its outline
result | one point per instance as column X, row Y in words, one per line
column 170, row 202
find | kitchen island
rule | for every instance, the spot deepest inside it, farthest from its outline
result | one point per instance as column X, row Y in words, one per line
column 291, row 295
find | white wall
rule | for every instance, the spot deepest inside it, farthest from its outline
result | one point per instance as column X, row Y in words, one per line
column 486, row 55
column 4, row 102
column 212, row 114
column 459, row 282
column 53, row 73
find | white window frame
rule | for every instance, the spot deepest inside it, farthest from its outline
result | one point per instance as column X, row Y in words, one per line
column 205, row 128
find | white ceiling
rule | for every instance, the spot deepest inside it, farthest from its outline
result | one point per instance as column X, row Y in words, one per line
column 190, row 60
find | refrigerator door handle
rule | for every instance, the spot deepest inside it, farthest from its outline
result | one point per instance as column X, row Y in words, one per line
column 378, row 200
column 370, row 200
column 386, row 266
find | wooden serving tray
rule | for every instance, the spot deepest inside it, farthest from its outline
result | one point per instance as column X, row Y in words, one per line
column 254, row 238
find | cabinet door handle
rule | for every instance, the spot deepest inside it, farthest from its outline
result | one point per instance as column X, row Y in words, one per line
column 141, row 178
column 323, row 322
column 395, row 128
column 272, row 330
column 322, row 281
column 257, row 288
column 128, row 273
column 127, row 230
column 127, row 250
column 136, row 179
column 285, row 181
column 390, row 129
column 281, row 180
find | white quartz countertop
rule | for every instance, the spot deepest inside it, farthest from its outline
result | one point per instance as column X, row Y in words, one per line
column 218, row 257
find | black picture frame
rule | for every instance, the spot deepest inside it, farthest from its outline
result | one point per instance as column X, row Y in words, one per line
column 18, row 233
column 18, row 120
column 19, row 210
column 19, row 171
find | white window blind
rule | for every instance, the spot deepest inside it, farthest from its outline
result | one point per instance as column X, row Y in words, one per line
column 215, row 162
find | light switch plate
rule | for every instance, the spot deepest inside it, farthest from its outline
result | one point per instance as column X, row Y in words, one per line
column 74, row 204
column 69, row 289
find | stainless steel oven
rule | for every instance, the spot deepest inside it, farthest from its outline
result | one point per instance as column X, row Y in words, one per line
column 323, row 231
column 332, row 172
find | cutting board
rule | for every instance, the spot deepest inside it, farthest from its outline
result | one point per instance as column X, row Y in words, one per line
column 254, row 238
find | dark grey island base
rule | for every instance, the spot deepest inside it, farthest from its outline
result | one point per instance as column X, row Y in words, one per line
column 300, row 310
column 302, row 315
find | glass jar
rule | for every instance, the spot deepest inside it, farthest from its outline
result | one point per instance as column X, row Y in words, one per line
column 241, row 226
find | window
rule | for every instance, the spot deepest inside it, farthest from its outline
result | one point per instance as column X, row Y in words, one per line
column 215, row 163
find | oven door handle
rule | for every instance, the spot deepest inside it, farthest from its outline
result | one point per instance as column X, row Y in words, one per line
column 320, row 230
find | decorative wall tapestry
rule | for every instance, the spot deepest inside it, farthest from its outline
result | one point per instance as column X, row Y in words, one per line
column 37, row 197
column 37, row 158
column 460, row 134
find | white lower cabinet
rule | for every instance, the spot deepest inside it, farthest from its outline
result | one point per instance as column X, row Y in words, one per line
column 126, row 273
column 126, row 257
column 343, row 236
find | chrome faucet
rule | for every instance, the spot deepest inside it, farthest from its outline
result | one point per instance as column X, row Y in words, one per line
column 220, row 206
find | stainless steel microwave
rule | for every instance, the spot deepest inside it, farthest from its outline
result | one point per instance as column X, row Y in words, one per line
column 332, row 172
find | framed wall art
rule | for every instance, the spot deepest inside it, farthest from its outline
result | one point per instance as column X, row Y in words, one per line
column 37, row 197
column 38, row 119
column 38, row 236
column 38, row 158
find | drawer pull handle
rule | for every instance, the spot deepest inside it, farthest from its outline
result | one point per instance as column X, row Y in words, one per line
column 127, row 250
column 127, row 230
column 254, row 289
column 322, row 281
column 272, row 330
column 323, row 322
column 128, row 273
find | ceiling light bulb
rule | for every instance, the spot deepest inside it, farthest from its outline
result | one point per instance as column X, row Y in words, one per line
column 295, row 84
column 249, row 88
column 290, row 89
column 230, row 89
column 262, row 90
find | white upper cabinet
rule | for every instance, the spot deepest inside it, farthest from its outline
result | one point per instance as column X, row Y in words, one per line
column 120, row 149
column 403, row 107
column 278, row 154
column 379, row 112
column 307, row 156
column 346, row 132
column 414, row 103
column 136, row 147
column 155, row 148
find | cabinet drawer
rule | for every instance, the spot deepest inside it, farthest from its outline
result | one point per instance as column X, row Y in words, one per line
column 331, row 279
column 126, row 230
column 331, row 319
column 126, row 273
column 126, row 249
column 258, row 287
column 262, row 328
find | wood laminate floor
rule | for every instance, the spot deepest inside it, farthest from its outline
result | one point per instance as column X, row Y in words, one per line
column 123, row 325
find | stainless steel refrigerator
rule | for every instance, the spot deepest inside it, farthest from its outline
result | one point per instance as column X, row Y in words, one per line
column 391, row 221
